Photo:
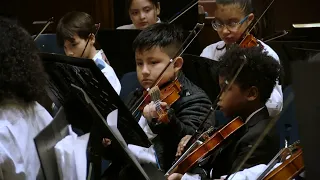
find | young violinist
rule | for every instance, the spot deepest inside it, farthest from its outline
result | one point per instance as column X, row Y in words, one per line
column 232, row 17
column 22, row 82
column 154, row 47
column 245, row 99
column 143, row 13
column 76, row 33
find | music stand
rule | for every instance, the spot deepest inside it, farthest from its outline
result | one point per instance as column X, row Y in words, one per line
column 307, row 101
column 117, row 45
column 203, row 73
column 45, row 142
column 66, row 73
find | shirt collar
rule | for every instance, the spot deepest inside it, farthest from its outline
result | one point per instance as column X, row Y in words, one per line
column 252, row 114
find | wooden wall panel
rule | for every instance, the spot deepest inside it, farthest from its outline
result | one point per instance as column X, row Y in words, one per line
column 27, row 11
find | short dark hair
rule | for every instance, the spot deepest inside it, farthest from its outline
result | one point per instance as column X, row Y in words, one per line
column 154, row 2
column 245, row 5
column 260, row 70
column 164, row 35
column 74, row 23
column 22, row 76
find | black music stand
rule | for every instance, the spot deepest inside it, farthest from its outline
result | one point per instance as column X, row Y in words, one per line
column 76, row 82
column 117, row 45
column 306, row 87
column 203, row 73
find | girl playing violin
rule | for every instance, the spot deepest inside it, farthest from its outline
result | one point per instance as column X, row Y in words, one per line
column 76, row 33
column 232, row 17
column 143, row 13
column 246, row 98
column 154, row 47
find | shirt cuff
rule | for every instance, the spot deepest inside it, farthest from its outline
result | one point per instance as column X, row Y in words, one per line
column 189, row 176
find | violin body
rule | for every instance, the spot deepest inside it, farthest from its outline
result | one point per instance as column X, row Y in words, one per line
column 169, row 94
column 289, row 169
column 249, row 41
column 211, row 144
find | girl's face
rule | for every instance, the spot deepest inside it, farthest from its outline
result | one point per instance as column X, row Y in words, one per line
column 143, row 13
column 230, row 22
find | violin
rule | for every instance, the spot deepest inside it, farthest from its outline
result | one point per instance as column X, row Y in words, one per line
column 169, row 93
column 290, row 167
column 247, row 40
column 210, row 144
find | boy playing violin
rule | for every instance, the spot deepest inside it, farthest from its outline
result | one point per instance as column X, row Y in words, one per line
column 245, row 98
column 154, row 48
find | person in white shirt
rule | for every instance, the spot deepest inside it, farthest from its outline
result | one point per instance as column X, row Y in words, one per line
column 231, row 20
column 76, row 33
column 143, row 13
column 21, row 117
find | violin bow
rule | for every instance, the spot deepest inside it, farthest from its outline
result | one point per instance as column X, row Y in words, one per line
column 187, row 8
column 251, row 25
column 97, row 29
column 44, row 28
column 192, row 35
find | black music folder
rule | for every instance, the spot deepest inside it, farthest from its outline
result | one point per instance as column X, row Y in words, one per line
column 63, row 71
column 306, row 87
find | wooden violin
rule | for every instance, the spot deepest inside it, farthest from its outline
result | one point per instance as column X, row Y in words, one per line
column 212, row 143
column 169, row 94
column 290, row 167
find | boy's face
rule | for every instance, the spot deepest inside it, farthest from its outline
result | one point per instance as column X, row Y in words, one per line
column 150, row 63
column 75, row 48
column 143, row 13
column 232, row 101
column 230, row 15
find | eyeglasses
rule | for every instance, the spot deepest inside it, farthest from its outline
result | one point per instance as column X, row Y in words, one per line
column 230, row 26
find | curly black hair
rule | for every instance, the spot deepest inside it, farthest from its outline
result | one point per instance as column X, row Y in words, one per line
column 164, row 35
column 22, row 77
column 260, row 69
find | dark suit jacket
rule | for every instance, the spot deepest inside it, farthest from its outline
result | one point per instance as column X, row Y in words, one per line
column 185, row 116
column 231, row 156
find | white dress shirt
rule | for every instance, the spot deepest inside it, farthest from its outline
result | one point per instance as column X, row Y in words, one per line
column 275, row 102
column 18, row 127
column 102, row 62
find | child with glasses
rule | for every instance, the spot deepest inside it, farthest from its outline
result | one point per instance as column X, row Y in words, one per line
column 232, row 17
